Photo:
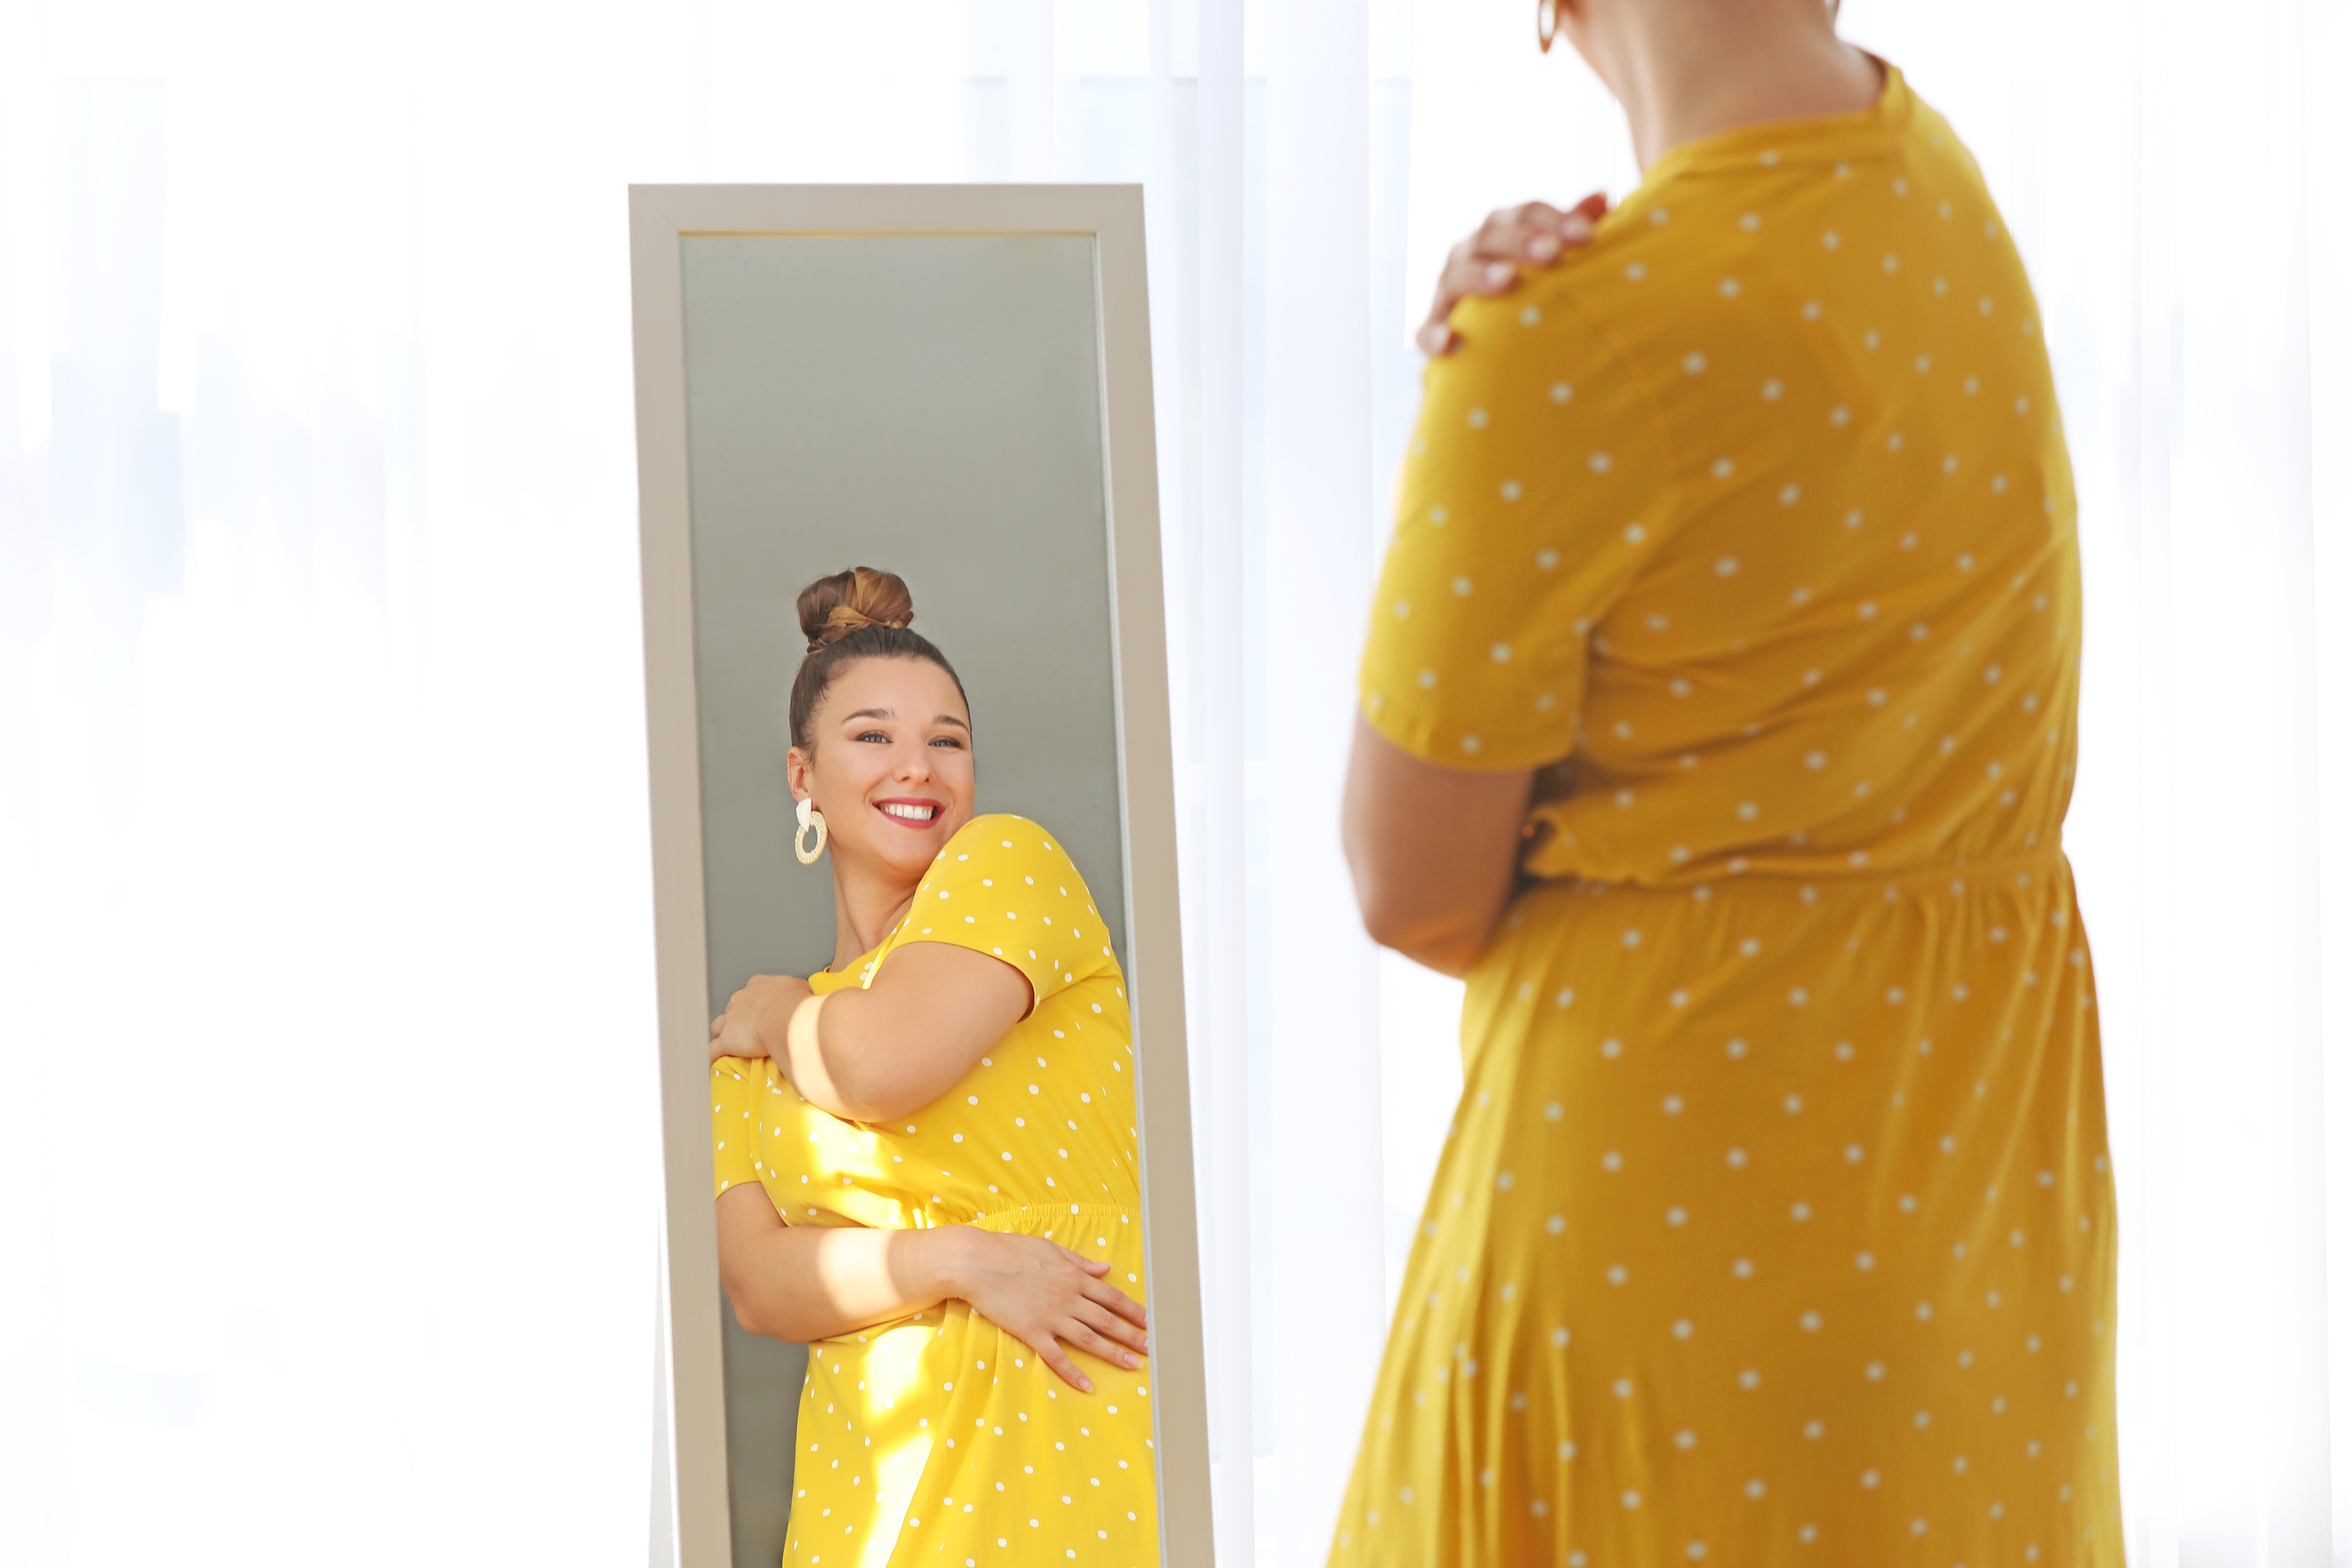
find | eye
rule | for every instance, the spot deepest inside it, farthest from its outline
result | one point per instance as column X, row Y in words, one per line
column 876, row 736
column 952, row 742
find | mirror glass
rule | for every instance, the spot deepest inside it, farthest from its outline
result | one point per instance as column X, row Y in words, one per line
column 931, row 406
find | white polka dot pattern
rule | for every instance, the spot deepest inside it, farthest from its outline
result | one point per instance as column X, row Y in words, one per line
column 940, row 1437
column 1775, row 1224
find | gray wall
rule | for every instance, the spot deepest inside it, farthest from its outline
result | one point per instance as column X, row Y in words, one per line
column 930, row 405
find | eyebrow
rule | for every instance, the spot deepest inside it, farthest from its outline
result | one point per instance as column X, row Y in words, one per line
column 893, row 713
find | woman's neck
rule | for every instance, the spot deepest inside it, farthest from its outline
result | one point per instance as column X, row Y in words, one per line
column 865, row 909
column 1684, row 69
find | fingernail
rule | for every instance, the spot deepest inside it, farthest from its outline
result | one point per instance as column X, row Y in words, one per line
column 1432, row 340
column 1543, row 248
column 1499, row 272
column 1085, row 1386
column 1132, row 1362
column 1576, row 225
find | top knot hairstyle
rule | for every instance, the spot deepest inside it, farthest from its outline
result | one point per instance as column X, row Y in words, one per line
column 858, row 614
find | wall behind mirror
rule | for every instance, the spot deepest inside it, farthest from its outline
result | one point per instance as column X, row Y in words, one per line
column 931, row 405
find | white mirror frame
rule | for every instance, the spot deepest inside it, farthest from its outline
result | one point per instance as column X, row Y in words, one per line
column 660, row 218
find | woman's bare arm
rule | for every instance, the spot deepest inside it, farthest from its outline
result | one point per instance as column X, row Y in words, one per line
column 895, row 1046
column 812, row 1282
column 888, row 1050
column 1434, row 851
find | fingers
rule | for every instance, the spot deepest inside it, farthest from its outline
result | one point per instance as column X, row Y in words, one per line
column 1468, row 271
column 1489, row 262
column 1528, row 215
column 1464, row 276
column 1096, row 1266
column 1082, row 1335
column 1536, row 231
column 1119, row 1302
column 1531, row 230
column 1050, row 1353
column 1127, row 1341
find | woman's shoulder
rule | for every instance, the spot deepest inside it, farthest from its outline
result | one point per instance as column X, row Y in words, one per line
column 1001, row 844
column 1003, row 877
column 1001, row 834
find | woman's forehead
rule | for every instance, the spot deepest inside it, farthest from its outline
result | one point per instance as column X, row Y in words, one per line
column 906, row 689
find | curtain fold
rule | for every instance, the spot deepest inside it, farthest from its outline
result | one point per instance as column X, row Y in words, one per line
column 326, row 1158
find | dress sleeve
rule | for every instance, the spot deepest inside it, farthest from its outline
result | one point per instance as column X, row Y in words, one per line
column 734, row 1096
column 1538, row 483
column 1004, row 888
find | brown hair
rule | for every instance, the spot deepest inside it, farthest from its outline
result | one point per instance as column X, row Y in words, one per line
column 858, row 614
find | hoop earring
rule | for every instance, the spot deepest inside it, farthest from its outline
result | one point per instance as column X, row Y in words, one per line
column 810, row 816
column 1547, row 24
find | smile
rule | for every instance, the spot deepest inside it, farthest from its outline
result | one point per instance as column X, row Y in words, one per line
column 911, row 811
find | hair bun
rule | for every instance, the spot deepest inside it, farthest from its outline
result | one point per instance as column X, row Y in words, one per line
column 833, row 607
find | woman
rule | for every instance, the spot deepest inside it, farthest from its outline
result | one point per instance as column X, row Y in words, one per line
column 926, row 1151
column 1717, row 724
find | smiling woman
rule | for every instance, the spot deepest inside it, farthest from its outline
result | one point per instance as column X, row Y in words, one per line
column 897, row 1184
column 936, row 1169
column 854, row 619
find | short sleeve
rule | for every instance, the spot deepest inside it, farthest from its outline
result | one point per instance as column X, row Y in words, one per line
column 734, row 1096
column 1537, row 485
column 1004, row 888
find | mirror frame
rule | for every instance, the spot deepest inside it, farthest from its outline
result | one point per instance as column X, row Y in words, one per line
column 691, row 1474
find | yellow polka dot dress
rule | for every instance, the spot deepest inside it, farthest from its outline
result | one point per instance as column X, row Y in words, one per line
column 1774, row 1226
column 940, row 1439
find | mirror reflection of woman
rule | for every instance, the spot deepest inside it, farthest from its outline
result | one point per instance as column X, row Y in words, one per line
column 925, row 1152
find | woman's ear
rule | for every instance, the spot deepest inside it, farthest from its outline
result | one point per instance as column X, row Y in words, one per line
column 796, row 774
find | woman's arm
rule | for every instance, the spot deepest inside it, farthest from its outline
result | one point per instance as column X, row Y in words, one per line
column 812, row 1282
column 1433, row 851
column 892, row 1049
column 879, row 1054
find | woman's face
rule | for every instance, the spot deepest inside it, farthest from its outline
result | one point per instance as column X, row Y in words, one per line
column 892, row 765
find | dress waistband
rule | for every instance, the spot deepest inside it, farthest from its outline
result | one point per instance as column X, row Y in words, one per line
column 1015, row 1219
column 1961, row 876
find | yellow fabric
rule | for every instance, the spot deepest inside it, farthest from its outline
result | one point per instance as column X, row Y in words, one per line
column 1775, row 1224
column 940, row 1439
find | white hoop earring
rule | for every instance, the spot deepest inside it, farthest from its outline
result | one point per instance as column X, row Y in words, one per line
column 810, row 816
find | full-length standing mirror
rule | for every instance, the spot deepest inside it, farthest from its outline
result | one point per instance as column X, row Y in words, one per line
column 951, row 384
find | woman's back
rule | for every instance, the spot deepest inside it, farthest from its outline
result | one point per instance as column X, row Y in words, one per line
column 1775, row 1224
column 1772, row 474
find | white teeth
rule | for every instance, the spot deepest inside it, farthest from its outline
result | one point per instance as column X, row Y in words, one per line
column 910, row 813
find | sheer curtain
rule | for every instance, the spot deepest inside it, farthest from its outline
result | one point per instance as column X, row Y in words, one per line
column 326, row 1166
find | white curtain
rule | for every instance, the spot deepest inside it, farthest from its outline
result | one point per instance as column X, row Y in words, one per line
column 327, row 1185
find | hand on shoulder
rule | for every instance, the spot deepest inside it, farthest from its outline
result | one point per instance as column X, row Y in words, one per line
column 1533, row 234
column 757, row 1017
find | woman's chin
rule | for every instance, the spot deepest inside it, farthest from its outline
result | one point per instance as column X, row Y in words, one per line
column 905, row 852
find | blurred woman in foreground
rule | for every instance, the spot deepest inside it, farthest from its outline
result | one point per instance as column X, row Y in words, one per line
column 1717, row 724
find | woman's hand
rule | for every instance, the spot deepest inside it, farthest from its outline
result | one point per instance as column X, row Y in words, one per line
column 1489, row 262
column 1042, row 1294
column 757, row 1017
